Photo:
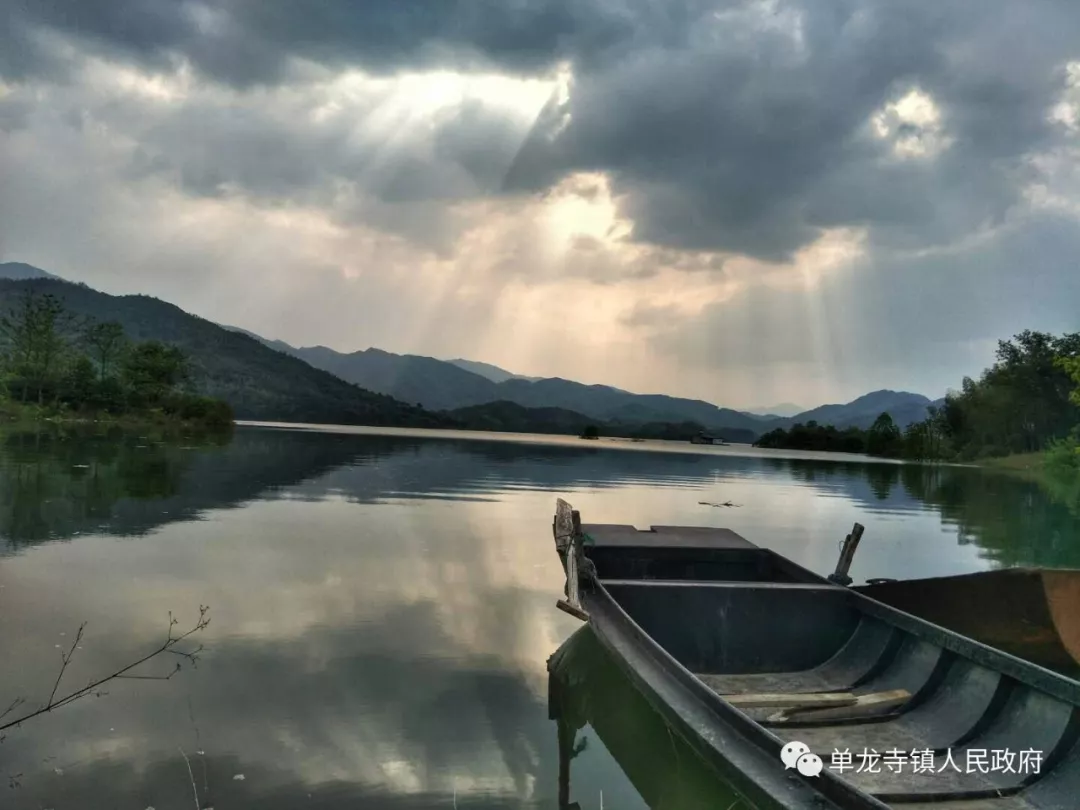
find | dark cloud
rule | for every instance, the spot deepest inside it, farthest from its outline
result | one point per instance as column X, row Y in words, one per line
column 252, row 41
column 738, row 127
column 756, row 136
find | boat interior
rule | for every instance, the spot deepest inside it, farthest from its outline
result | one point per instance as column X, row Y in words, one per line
column 807, row 660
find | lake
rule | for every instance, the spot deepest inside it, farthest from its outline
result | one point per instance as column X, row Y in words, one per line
column 382, row 603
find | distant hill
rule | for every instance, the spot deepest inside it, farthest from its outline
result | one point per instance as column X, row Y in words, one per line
column 493, row 373
column 258, row 382
column 435, row 384
column 17, row 271
column 514, row 418
column 776, row 411
column 448, row 386
column 903, row 406
column 612, row 405
column 444, row 385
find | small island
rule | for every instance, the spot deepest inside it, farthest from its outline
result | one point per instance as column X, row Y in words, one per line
column 57, row 367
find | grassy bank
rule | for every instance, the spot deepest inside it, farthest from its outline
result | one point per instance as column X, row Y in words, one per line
column 1055, row 471
column 1017, row 462
column 20, row 415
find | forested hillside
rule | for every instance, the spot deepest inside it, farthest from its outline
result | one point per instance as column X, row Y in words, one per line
column 256, row 381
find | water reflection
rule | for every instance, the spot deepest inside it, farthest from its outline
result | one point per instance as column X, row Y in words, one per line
column 1015, row 522
column 59, row 486
column 590, row 697
column 383, row 605
column 62, row 485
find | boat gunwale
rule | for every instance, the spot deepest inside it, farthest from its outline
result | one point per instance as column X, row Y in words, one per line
column 799, row 573
column 732, row 584
column 761, row 736
column 1028, row 673
column 755, row 734
column 1018, row 570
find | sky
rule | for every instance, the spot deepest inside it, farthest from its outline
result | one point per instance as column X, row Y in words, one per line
column 744, row 202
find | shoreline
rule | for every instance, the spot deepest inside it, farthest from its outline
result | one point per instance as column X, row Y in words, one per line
column 24, row 420
column 565, row 440
column 1017, row 462
column 1030, row 465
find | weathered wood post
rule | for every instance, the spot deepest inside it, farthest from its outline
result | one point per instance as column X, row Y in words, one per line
column 847, row 554
column 567, row 530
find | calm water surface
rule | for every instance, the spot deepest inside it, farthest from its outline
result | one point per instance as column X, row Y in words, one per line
column 383, row 605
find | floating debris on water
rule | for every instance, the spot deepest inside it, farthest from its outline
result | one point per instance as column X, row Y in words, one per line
column 725, row 503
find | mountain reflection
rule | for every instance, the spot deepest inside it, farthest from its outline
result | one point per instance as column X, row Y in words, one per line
column 62, row 485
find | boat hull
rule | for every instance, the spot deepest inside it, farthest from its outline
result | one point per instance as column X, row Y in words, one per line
column 1031, row 613
column 716, row 654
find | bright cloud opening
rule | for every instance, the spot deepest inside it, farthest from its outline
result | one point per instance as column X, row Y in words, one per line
column 913, row 124
column 1067, row 111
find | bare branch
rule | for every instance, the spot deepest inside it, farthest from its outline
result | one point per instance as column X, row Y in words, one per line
column 66, row 659
column 121, row 674
column 145, row 677
column 16, row 703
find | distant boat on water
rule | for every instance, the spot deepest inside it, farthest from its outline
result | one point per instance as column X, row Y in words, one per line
column 704, row 438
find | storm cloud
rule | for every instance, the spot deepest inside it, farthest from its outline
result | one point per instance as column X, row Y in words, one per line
column 681, row 159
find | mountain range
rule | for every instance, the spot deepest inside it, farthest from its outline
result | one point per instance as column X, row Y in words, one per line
column 450, row 385
column 268, row 379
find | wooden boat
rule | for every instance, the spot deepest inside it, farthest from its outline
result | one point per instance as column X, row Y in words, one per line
column 746, row 654
column 1032, row 613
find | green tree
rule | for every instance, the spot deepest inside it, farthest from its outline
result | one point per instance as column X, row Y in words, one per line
column 928, row 439
column 106, row 343
column 80, row 381
column 1063, row 455
column 883, row 438
column 152, row 370
column 1021, row 403
column 1071, row 367
column 35, row 342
